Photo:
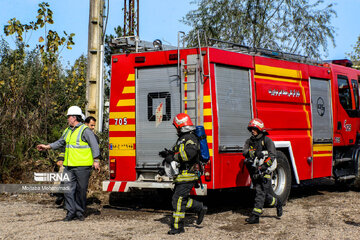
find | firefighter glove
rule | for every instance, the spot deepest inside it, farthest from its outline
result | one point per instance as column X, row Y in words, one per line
column 165, row 153
column 169, row 158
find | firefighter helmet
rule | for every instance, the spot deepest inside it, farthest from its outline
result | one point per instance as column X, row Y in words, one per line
column 256, row 123
column 183, row 123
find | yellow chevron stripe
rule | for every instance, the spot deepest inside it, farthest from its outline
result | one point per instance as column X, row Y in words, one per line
column 323, row 155
column 284, row 72
column 125, row 103
column 122, row 115
column 128, row 90
column 209, row 139
column 207, row 99
column 277, row 79
column 129, row 127
column 323, row 147
column 207, row 112
column 211, row 152
column 131, row 77
column 122, row 153
column 208, row 125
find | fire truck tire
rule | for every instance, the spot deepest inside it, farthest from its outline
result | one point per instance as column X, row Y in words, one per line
column 281, row 177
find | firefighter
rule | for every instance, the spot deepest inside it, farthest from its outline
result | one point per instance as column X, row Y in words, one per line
column 260, row 154
column 186, row 154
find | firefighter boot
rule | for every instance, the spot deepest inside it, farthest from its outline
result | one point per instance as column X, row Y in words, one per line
column 201, row 215
column 279, row 209
column 177, row 226
column 252, row 219
column 174, row 231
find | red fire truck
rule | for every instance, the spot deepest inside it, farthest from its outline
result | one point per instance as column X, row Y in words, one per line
column 310, row 109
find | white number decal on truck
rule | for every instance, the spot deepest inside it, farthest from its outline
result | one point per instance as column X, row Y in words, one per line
column 120, row 121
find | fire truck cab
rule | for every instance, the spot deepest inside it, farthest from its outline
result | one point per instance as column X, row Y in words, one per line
column 310, row 109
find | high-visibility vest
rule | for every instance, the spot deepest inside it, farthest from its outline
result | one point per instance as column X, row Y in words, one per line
column 77, row 152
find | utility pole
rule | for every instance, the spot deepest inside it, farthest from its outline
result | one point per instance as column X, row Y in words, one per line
column 94, row 84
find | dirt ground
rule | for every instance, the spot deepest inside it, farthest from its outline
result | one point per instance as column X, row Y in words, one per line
column 313, row 211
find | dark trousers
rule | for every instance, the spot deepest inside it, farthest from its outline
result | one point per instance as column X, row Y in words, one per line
column 182, row 202
column 75, row 200
column 264, row 195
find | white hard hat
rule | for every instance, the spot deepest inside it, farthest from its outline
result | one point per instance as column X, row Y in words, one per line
column 74, row 110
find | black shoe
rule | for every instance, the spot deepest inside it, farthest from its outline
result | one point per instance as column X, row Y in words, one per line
column 59, row 200
column 81, row 217
column 253, row 219
column 201, row 215
column 68, row 218
column 279, row 209
column 174, row 231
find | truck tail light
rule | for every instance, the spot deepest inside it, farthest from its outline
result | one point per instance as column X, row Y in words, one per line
column 207, row 172
column 139, row 59
column 112, row 168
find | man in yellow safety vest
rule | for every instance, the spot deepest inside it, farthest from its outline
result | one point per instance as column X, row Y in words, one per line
column 81, row 153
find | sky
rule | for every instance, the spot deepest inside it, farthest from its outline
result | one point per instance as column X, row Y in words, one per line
column 159, row 19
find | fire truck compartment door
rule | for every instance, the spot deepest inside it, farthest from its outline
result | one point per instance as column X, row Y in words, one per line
column 157, row 102
column 234, row 106
column 321, row 110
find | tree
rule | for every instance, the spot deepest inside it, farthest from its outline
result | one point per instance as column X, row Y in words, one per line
column 35, row 92
column 355, row 54
column 49, row 47
column 294, row 26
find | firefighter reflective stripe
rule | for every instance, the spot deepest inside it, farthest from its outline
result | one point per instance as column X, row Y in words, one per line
column 61, row 156
column 183, row 153
column 189, row 142
column 186, row 177
column 189, row 203
column 267, row 176
column 273, row 202
column 178, row 214
column 258, row 210
column 268, row 161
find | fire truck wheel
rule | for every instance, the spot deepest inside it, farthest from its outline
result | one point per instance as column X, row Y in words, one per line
column 281, row 177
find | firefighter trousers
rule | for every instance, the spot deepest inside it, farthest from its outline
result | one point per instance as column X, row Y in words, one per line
column 181, row 202
column 264, row 195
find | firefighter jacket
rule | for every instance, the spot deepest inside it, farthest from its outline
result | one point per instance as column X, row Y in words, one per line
column 187, row 149
column 256, row 144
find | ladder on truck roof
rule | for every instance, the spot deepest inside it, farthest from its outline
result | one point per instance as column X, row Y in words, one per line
column 189, row 87
column 191, row 75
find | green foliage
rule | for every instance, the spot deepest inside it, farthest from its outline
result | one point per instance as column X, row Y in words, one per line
column 355, row 54
column 109, row 50
column 35, row 92
column 294, row 26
